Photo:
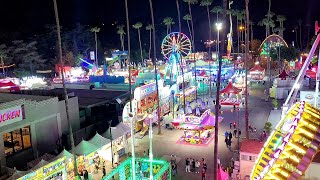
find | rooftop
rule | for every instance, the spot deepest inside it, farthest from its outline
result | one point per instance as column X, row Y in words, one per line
column 87, row 98
column 251, row 146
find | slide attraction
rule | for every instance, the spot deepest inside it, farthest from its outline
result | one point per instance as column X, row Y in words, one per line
column 295, row 141
column 292, row 145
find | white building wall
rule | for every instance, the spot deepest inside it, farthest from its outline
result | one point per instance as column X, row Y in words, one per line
column 312, row 173
column 246, row 165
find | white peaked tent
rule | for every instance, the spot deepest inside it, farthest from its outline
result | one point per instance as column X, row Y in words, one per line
column 118, row 131
column 85, row 148
column 63, row 154
column 99, row 140
column 39, row 165
column 17, row 174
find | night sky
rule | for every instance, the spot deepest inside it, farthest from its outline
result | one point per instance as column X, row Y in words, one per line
column 29, row 17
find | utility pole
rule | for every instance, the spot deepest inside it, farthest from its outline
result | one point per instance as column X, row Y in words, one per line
column 2, row 63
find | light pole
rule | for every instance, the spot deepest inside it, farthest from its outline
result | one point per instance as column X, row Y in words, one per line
column 218, row 27
column 96, row 30
column 110, row 131
column 150, row 148
column 133, row 161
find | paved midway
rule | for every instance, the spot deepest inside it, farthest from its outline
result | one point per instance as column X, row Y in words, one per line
column 165, row 145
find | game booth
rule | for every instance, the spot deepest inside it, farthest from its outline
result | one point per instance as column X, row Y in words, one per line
column 257, row 73
column 197, row 130
column 230, row 95
column 161, row 170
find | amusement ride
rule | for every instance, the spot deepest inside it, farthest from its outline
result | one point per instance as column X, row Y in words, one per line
column 295, row 141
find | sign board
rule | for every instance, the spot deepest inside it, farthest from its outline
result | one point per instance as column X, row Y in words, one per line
column 309, row 97
column 11, row 115
column 143, row 91
column 92, row 55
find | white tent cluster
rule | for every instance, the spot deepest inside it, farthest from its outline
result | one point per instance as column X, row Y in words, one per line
column 95, row 144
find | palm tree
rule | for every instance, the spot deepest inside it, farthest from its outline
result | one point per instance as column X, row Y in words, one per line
column 300, row 31
column 281, row 19
column 155, row 64
column 216, row 127
column 168, row 21
column 296, row 32
column 251, row 23
column 269, row 16
column 246, row 69
column 149, row 28
column 137, row 26
column 3, row 54
column 121, row 33
column 187, row 18
column 96, row 30
column 190, row 2
column 217, row 10
column 178, row 11
column 64, row 86
column 208, row 3
column 237, row 13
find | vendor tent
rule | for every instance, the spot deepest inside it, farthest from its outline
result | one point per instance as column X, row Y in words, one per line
column 203, row 74
column 222, row 175
column 39, row 165
column 17, row 174
column 99, row 140
column 283, row 74
column 63, row 153
column 230, row 89
column 45, row 157
column 311, row 73
column 116, row 132
column 257, row 68
column 85, row 148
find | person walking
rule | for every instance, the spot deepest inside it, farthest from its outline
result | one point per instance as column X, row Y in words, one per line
column 230, row 136
column 226, row 134
column 235, row 132
column 144, row 154
column 226, row 141
column 193, row 163
column 239, row 132
column 205, row 166
column 229, row 143
column 234, row 124
column 187, row 165
column 231, row 125
column 197, row 166
column 203, row 174
column 174, row 169
column 104, row 171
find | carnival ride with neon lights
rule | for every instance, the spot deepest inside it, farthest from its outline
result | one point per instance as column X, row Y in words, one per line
column 197, row 129
column 175, row 46
column 295, row 141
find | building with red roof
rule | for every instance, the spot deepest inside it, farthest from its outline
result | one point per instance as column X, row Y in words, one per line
column 249, row 152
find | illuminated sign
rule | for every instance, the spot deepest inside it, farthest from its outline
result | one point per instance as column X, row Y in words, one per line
column 11, row 115
column 142, row 91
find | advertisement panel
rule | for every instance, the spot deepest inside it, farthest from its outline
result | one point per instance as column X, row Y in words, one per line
column 11, row 115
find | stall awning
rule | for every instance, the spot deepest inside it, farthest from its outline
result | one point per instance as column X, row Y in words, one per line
column 39, row 165
column 45, row 157
column 203, row 74
column 99, row 140
column 118, row 131
column 17, row 174
column 283, row 74
column 230, row 89
column 257, row 67
column 63, row 153
column 85, row 148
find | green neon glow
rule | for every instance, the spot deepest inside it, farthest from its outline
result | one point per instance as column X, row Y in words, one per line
column 165, row 168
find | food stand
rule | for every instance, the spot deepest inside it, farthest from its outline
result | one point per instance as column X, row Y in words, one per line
column 257, row 73
column 230, row 95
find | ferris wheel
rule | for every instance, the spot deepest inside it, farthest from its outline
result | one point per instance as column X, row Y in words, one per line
column 176, row 43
